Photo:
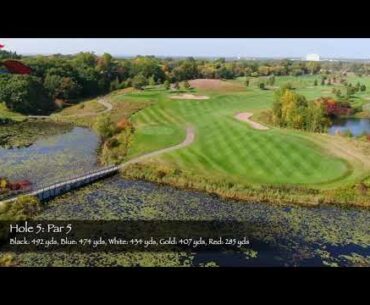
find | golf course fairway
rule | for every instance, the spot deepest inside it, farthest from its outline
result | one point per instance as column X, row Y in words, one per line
column 226, row 147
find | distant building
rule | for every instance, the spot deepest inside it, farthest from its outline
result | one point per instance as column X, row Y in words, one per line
column 313, row 57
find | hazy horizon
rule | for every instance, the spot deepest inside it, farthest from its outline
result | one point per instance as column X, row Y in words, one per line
column 197, row 47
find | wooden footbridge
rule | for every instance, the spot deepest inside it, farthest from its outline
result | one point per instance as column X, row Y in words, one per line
column 48, row 192
column 59, row 188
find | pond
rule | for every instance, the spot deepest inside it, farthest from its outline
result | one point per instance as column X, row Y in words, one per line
column 51, row 158
column 280, row 235
column 356, row 126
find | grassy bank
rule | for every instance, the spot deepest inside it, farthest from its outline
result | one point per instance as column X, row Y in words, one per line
column 352, row 194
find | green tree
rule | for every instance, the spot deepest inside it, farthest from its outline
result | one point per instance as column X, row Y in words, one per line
column 85, row 59
column 262, row 86
column 152, row 81
column 358, row 87
column 315, row 82
column 105, row 127
column 25, row 94
column 61, row 87
column 186, row 85
column 246, row 82
column 139, row 81
column 313, row 67
column 271, row 80
column 315, row 119
column 363, row 88
column 350, row 90
column 167, row 84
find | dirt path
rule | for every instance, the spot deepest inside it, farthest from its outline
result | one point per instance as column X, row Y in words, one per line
column 245, row 117
column 190, row 136
column 106, row 104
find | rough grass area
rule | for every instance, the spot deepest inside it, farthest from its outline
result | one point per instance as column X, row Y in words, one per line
column 349, row 195
column 84, row 108
column 5, row 113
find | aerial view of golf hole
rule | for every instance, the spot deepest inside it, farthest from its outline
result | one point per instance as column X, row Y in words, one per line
column 280, row 145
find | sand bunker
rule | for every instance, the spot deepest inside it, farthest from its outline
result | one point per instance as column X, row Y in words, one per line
column 216, row 85
column 187, row 96
column 245, row 117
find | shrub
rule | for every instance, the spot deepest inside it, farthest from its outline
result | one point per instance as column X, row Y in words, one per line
column 25, row 207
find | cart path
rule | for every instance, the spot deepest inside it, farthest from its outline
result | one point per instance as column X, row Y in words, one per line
column 245, row 117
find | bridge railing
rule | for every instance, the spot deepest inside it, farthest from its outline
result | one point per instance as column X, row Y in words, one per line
column 69, row 180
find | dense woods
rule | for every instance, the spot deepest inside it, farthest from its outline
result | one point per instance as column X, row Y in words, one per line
column 67, row 77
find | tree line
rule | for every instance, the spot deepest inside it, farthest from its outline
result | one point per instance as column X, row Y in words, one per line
column 70, row 77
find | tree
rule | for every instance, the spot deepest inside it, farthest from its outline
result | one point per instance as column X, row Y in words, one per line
column 292, row 109
column 105, row 127
column 350, row 90
column 262, row 86
column 363, row 88
column 323, row 81
column 146, row 66
column 167, row 84
column 176, row 86
column 85, row 59
column 115, row 84
column 152, row 81
column 139, row 81
column 358, row 87
column 315, row 119
column 186, row 85
column 61, row 87
column 271, row 80
column 315, row 82
column 25, row 94
column 313, row 67
column 247, row 82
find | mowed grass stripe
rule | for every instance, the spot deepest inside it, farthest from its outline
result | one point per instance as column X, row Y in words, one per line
column 232, row 148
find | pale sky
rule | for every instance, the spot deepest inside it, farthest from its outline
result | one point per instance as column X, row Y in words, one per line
column 215, row 47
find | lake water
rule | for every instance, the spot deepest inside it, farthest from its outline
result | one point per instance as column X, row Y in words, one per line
column 53, row 158
column 279, row 235
column 356, row 126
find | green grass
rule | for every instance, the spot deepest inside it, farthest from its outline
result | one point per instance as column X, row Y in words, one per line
column 7, row 114
column 225, row 147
